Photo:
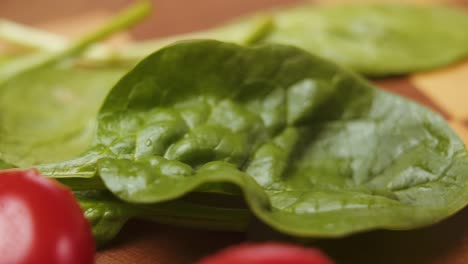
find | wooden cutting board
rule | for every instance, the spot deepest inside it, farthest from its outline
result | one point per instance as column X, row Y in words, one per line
column 445, row 91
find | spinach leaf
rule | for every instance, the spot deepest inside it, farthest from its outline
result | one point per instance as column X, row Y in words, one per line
column 49, row 114
column 375, row 40
column 316, row 150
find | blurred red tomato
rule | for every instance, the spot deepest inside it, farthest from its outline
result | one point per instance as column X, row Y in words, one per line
column 268, row 253
column 41, row 222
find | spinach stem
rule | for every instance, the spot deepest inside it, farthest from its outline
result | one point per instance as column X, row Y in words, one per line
column 186, row 211
column 83, row 183
column 193, row 215
column 122, row 20
column 259, row 27
column 262, row 28
column 179, row 212
column 29, row 37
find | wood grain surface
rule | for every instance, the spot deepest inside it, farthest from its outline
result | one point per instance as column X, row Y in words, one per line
column 444, row 91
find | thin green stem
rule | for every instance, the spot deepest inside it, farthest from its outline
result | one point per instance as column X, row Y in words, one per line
column 121, row 21
column 243, row 33
column 33, row 39
column 193, row 215
column 83, row 184
column 261, row 29
column 29, row 37
column 179, row 212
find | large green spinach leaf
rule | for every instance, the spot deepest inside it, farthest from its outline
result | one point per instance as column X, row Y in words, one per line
column 48, row 114
column 316, row 150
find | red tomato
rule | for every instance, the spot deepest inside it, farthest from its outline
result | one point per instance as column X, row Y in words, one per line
column 268, row 253
column 41, row 222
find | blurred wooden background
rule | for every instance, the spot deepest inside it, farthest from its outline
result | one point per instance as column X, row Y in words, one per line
column 169, row 16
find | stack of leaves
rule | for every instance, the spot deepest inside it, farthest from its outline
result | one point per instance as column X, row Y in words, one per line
column 312, row 148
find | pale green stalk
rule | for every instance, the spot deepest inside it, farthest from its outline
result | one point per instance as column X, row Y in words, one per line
column 244, row 33
column 121, row 21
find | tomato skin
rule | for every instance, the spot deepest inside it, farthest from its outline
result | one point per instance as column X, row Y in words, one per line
column 41, row 222
column 268, row 253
